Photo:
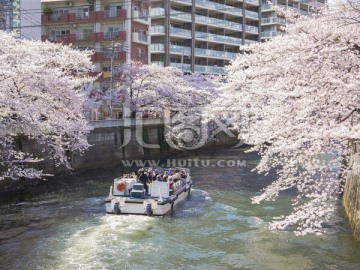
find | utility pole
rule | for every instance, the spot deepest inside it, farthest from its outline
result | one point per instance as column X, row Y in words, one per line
column 111, row 76
column 182, row 61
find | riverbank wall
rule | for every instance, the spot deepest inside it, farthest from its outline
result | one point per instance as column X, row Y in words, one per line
column 123, row 141
column 351, row 196
column 114, row 143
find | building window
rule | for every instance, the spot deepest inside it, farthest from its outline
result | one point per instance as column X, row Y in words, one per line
column 56, row 14
column 139, row 52
column 55, row 35
column 106, row 69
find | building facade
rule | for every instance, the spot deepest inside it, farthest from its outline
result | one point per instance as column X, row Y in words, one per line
column 271, row 23
column 117, row 31
column 21, row 17
column 10, row 16
column 200, row 35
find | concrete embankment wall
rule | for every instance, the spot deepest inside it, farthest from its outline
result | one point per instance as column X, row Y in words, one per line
column 112, row 142
column 351, row 196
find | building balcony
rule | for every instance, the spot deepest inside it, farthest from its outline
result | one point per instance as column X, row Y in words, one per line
column 91, row 17
column 198, row 68
column 269, row 34
column 209, row 69
column 273, row 20
column 158, row 63
column 157, row 12
column 219, row 7
column 86, row 38
column 182, row 66
column 251, row 14
column 251, row 29
column 157, row 30
column 182, row 50
column 253, row 2
column 140, row 38
column 214, row 54
column 115, row 36
column 141, row 16
column 249, row 41
column 218, row 38
column 101, row 37
column 188, row 2
column 184, row 33
column 218, row 22
column 157, row 48
column 66, row 39
column 175, row 31
column 106, row 56
column 267, row 7
column 180, row 15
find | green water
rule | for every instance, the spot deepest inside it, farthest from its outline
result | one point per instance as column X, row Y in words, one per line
column 216, row 228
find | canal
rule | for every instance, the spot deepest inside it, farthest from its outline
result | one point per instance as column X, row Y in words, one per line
column 64, row 226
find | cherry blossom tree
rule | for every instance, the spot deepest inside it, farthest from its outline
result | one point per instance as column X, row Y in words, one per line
column 302, row 90
column 41, row 101
column 155, row 88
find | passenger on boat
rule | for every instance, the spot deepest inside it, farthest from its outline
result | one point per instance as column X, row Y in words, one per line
column 159, row 178
column 152, row 175
column 165, row 177
column 175, row 176
column 183, row 174
column 144, row 179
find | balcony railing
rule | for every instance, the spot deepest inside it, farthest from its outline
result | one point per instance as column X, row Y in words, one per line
column 219, row 7
column 55, row 38
column 251, row 28
column 218, row 38
column 138, row 37
column 251, row 14
column 142, row 15
column 180, row 15
column 91, row 16
column 198, row 68
column 110, row 13
column 158, row 63
column 266, row 7
column 154, row 12
column 218, row 22
column 107, row 56
column 110, row 35
column 249, row 42
column 273, row 20
column 184, row 1
column 157, row 29
column 180, row 49
column 214, row 53
column 157, row 47
column 254, row 2
column 209, row 69
column 83, row 36
column 82, row 15
column 266, row 34
column 180, row 32
column 182, row 66
column 55, row 17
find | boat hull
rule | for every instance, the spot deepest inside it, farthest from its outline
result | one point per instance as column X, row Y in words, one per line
column 147, row 206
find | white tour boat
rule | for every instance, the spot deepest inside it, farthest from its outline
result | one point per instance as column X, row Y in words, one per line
column 128, row 195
